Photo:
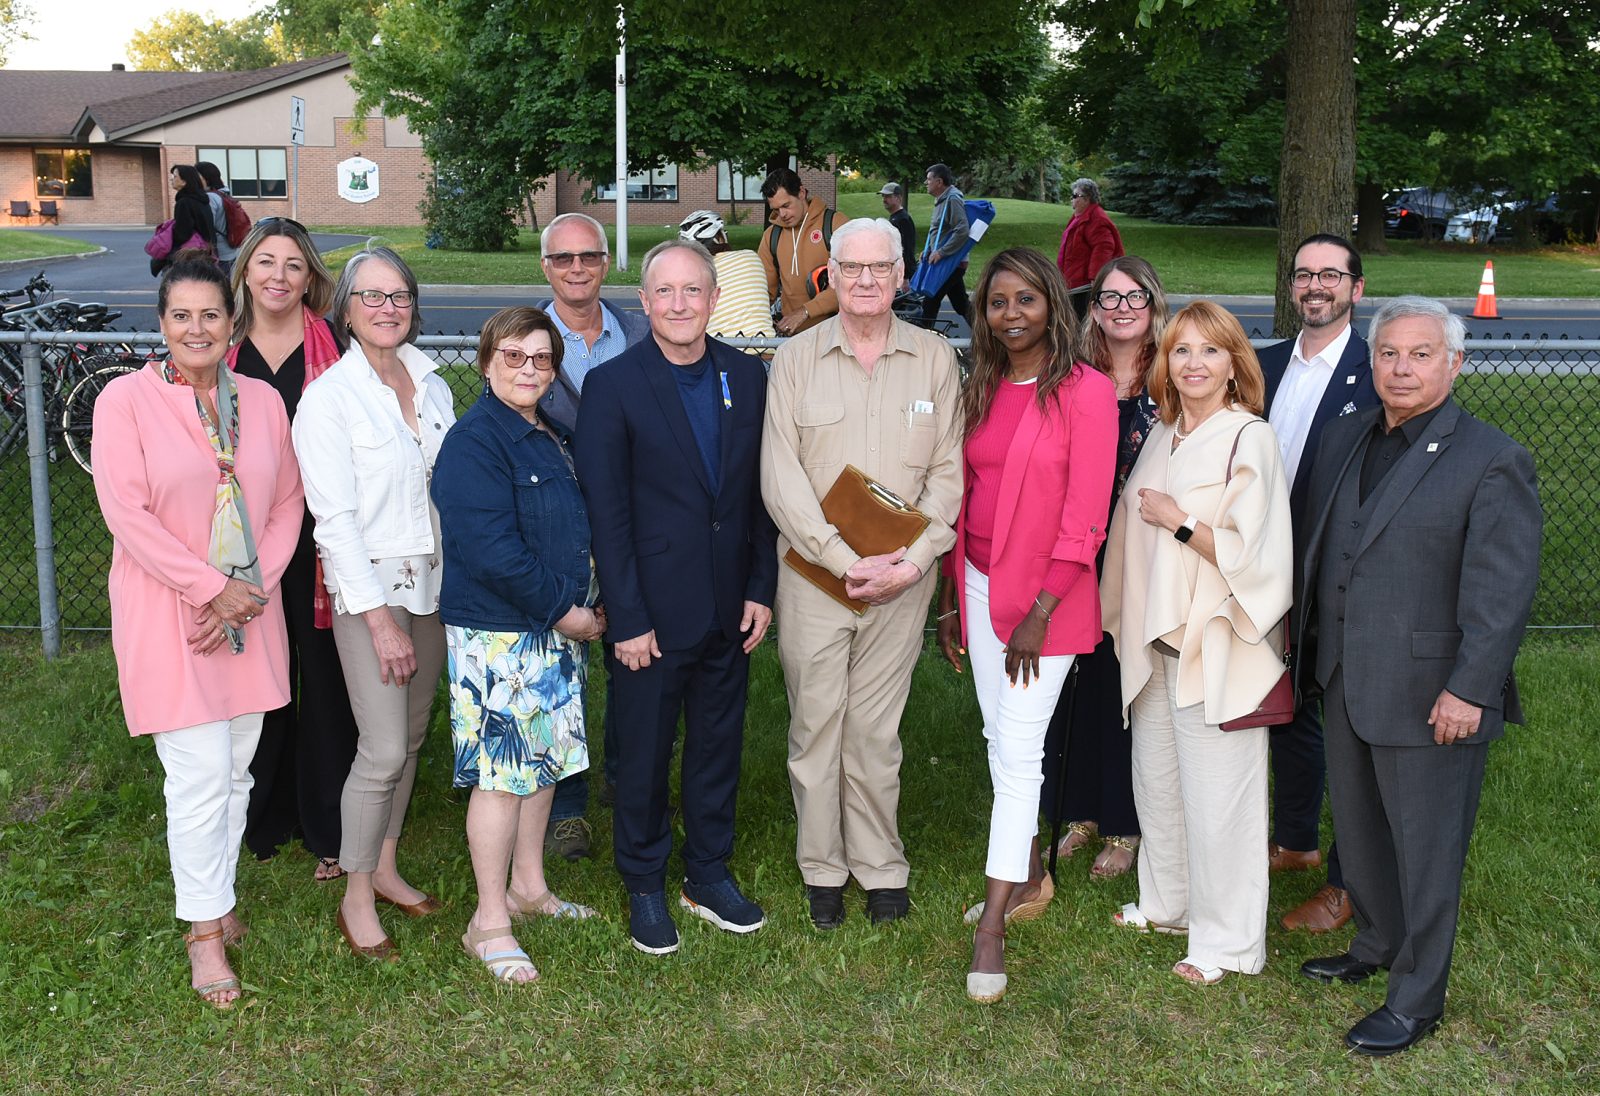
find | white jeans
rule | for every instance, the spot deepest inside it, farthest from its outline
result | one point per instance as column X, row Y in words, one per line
column 1015, row 718
column 1201, row 793
column 207, row 789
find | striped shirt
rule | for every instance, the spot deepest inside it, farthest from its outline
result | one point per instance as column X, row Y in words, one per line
column 743, row 308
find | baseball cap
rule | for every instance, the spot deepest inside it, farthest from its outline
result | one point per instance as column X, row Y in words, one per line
column 892, row 188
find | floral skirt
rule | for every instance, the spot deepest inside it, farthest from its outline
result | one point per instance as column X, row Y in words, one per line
column 516, row 708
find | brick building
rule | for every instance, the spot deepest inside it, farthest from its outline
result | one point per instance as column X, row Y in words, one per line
column 99, row 145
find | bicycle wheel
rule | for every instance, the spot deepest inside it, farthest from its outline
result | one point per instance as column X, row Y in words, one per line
column 13, row 412
column 77, row 416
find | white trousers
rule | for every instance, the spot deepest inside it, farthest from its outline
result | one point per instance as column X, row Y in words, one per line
column 1015, row 718
column 1201, row 793
column 207, row 789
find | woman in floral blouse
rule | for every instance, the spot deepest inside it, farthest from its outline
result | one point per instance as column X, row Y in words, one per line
column 366, row 434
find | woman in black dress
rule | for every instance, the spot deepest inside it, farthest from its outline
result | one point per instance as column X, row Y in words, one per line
column 1127, row 313
column 304, row 755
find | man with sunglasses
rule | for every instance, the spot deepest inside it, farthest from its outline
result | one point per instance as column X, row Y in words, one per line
column 1312, row 379
column 575, row 259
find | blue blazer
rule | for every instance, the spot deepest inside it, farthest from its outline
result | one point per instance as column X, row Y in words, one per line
column 665, row 544
column 1349, row 391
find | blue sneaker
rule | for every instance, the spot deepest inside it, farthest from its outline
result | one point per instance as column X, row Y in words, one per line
column 723, row 905
column 650, row 925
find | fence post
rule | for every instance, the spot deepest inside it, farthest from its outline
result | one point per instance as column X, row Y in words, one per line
column 44, row 541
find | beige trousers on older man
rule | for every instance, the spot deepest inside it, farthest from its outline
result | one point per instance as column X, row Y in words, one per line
column 847, row 679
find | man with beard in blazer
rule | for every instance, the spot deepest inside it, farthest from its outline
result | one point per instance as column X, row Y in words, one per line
column 1418, row 578
column 1312, row 379
column 668, row 457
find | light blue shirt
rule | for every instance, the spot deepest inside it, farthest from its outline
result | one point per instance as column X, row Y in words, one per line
column 577, row 356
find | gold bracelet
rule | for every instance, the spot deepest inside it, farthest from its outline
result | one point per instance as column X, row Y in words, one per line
column 946, row 616
column 1041, row 608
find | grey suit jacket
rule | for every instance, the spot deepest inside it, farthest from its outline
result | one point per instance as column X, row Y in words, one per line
column 561, row 402
column 1443, row 580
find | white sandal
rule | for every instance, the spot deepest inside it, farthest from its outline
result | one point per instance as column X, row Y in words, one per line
column 1209, row 976
column 1129, row 917
column 502, row 964
column 539, row 906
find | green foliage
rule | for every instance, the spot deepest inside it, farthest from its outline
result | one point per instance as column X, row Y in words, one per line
column 1197, row 194
column 14, row 17
column 290, row 30
column 468, row 208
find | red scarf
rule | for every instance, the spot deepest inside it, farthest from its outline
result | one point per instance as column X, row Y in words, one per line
column 320, row 353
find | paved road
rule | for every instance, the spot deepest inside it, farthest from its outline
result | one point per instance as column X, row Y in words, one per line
column 121, row 278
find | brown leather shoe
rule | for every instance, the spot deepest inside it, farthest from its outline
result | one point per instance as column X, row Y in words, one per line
column 1282, row 859
column 1324, row 911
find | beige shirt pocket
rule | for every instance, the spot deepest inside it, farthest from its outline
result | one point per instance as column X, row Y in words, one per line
column 822, row 434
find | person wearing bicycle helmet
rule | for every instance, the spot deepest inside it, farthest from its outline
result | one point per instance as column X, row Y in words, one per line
column 742, row 310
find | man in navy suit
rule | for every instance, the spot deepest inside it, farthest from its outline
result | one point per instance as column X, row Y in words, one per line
column 1312, row 379
column 575, row 257
column 668, row 454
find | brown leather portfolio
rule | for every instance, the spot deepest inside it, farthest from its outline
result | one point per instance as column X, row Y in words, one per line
column 871, row 519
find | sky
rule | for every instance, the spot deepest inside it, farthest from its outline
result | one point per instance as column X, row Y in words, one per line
column 94, row 35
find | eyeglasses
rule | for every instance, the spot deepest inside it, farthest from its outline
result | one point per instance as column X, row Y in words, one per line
column 1329, row 279
column 374, row 298
column 561, row 260
column 1109, row 300
column 283, row 220
column 879, row 270
column 544, row 361
column 1078, row 194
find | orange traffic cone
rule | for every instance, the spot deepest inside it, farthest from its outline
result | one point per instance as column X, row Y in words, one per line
column 1485, row 308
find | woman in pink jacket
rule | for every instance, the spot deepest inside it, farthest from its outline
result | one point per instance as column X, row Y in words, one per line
column 198, row 484
column 1041, row 444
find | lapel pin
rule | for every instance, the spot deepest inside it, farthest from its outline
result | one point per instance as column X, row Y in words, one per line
column 1350, row 380
column 1433, row 447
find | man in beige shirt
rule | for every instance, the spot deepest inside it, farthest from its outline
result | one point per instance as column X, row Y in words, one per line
column 865, row 389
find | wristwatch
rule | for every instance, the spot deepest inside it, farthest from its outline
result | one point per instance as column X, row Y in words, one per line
column 1186, row 530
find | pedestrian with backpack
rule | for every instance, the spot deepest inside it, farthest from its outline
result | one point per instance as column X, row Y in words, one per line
column 794, row 250
column 233, row 223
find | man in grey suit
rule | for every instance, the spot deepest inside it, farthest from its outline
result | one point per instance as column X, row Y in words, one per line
column 575, row 258
column 1419, row 575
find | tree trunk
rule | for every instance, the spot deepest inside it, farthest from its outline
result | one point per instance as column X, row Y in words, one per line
column 1370, row 208
column 1317, row 180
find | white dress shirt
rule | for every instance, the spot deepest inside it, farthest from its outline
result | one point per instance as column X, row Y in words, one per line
column 1298, row 396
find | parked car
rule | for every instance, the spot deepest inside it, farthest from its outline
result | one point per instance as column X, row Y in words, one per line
column 1418, row 213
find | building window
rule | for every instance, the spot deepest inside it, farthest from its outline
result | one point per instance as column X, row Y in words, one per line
column 251, row 172
column 735, row 186
column 63, row 173
column 660, row 185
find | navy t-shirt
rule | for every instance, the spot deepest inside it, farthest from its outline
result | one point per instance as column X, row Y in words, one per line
column 700, row 389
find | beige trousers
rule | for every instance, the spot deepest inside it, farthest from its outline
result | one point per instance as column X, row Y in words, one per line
column 847, row 678
column 1201, row 793
column 391, row 721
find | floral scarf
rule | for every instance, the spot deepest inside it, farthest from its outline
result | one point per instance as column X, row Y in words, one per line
column 233, row 545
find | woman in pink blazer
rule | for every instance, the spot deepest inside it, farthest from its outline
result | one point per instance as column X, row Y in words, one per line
column 1040, row 450
column 197, row 480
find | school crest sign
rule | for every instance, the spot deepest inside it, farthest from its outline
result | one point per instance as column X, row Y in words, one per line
column 358, row 179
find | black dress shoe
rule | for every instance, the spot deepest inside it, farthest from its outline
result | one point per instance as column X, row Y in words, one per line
column 887, row 904
column 1338, row 968
column 1389, row 1032
column 827, row 906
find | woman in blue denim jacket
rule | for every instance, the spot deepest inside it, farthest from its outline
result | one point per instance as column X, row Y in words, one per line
column 519, row 606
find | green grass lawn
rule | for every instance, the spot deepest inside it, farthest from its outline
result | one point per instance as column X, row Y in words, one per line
column 1191, row 260
column 95, row 983
column 37, row 245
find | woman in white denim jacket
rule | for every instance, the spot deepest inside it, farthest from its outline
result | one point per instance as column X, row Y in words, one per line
column 366, row 435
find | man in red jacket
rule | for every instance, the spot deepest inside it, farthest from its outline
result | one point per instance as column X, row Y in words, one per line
column 1089, row 242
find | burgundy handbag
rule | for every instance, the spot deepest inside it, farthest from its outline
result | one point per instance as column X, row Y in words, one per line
column 1278, row 706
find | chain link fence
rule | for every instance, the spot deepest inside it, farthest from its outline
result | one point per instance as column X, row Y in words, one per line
column 1544, row 393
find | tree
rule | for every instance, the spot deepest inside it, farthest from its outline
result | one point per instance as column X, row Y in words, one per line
column 14, row 17
column 183, row 41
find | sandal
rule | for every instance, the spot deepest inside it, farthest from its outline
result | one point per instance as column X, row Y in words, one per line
column 501, row 964
column 1078, row 836
column 234, row 935
column 1129, row 917
column 208, row 992
column 1114, row 846
column 1202, row 976
column 1022, row 911
column 328, row 869
column 546, row 905
column 983, row 987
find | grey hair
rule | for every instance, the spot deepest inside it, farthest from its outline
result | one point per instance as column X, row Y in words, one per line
column 1398, row 308
column 665, row 246
column 858, row 225
column 347, row 286
column 565, row 218
column 1090, row 189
